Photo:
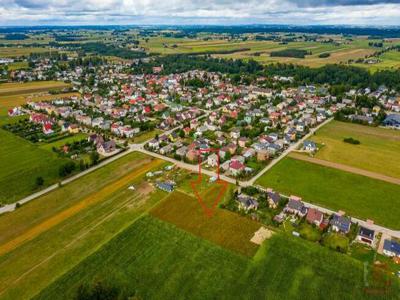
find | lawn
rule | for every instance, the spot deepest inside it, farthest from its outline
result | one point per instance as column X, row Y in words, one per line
column 155, row 260
column 309, row 232
column 21, row 163
column 47, row 237
column 357, row 195
column 59, row 143
column 336, row 241
column 378, row 151
column 224, row 228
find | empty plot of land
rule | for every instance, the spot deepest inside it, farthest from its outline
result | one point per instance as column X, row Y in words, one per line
column 377, row 152
column 155, row 260
column 224, row 228
column 85, row 213
column 9, row 89
column 67, row 213
column 345, row 168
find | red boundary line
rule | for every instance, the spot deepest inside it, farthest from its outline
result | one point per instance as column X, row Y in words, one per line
column 209, row 211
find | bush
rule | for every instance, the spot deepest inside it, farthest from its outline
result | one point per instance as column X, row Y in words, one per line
column 39, row 181
column 351, row 141
column 66, row 169
column 324, row 55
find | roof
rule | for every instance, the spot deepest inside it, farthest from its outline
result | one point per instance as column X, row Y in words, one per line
column 308, row 143
column 392, row 246
column 392, row 119
column 247, row 201
column 274, row 196
column 366, row 232
column 343, row 223
column 295, row 204
column 314, row 214
column 237, row 165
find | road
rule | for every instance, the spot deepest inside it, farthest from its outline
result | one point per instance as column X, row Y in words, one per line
column 285, row 153
column 195, row 168
column 12, row 207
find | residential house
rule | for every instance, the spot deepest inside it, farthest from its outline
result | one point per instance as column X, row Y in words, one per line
column 192, row 155
column 296, row 207
column 235, row 133
column 366, row 236
column 247, row 202
column 391, row 248
column 262, row 155
column 340, row 224
column 309, row 146
column 314, row 216
column 213, row 160
column 106, row 148
column 236, row 167
column 273, row 198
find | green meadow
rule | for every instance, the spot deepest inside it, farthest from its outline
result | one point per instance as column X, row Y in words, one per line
column 155, row 260
column 357, row 195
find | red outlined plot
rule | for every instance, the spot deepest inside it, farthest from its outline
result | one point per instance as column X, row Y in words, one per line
column 209, row 211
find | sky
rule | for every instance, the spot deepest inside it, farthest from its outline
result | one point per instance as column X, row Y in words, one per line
column 185, row 12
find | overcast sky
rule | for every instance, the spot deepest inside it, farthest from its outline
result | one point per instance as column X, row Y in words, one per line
column 299, row 12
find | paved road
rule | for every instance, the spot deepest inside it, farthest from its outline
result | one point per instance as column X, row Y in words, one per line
column 194, row 168
column 357, row 171
column 12, row 207
column 285, row 153
column 181, row 164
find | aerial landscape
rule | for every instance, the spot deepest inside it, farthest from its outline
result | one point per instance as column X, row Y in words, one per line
column 187, row 150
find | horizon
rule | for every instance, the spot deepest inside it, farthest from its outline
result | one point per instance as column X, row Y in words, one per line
column 188, row 12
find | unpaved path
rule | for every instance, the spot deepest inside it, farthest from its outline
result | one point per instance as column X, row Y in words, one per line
column 349, row 169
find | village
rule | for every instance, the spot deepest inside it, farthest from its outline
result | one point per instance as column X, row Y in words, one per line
column 202, row 118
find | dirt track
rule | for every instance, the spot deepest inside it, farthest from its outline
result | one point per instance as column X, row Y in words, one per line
column 349, row 169
column 73, row 210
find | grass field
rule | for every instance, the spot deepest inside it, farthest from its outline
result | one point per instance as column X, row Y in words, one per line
column 224, row 228
column 260, row 50
column 47, row 237
column 21, row 51
column 357, row 195
column 21, row 163
column 155, row 260
column 9, row 89
column 378, row 151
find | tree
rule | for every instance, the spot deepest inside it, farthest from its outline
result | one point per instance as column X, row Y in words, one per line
column 39, row 181
column 97, row 291
column 94, row 157
column 66, row 169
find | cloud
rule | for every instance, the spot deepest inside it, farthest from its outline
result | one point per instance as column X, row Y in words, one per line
column 59, row 12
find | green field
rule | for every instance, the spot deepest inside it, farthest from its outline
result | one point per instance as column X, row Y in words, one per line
column 224, row 228
column 10, row 89
column 260, row 50
column 155, row 260
column 47, row 237
column 21, row 163
column 378, row 152
column 357, row 195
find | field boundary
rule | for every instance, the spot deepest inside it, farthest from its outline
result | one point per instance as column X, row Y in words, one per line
column 345, row 168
